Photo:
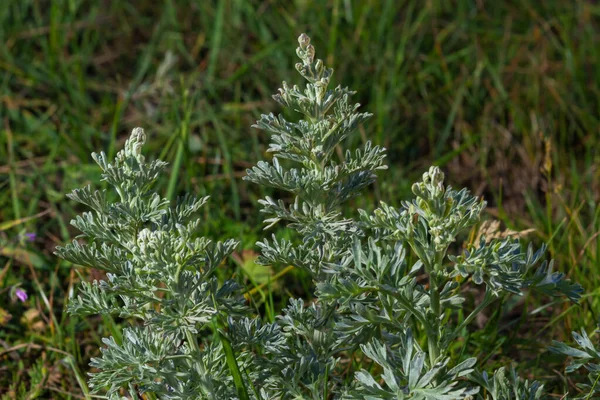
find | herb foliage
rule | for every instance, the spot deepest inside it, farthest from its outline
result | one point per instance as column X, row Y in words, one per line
column 383, row 280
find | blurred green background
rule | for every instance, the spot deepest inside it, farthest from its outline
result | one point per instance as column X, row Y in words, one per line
column 502, row 94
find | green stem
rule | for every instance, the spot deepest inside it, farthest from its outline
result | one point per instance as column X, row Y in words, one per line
column 432, row 334
column 193, row 343
column 178, row 273
column 196, row 355
column 231, row 360
column 434, row 299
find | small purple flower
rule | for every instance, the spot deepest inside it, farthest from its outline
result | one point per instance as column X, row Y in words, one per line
column 21, row 295
column 31, row 236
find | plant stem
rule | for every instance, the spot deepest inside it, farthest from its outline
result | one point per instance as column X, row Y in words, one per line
column 238, row 381
column 434, row 299
column 432, row 335
column 195, row 352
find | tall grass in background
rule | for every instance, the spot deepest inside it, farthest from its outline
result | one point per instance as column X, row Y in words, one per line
column 502, row 95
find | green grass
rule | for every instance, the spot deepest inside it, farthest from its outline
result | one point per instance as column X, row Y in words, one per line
column 492, row 92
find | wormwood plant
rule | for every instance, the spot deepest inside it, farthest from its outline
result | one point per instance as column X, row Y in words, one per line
column 158, row 272
column 376, row 328
column 359, row 337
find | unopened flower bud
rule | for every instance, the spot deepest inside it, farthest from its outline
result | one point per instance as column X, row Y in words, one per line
column 303, row 41
column 437, row 176
column 417, row 190
column 310, row 53
column 319, row 66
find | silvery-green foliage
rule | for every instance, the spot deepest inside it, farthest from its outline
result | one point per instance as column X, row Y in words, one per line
column 159, row 274
column 376, row 328
column 586, row 356
column 319, row 180
column 369, row 301
column 506, row 386
column 406, row 375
